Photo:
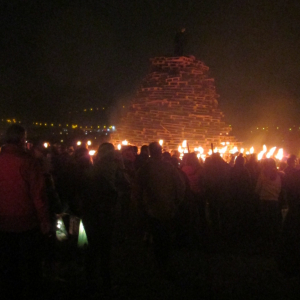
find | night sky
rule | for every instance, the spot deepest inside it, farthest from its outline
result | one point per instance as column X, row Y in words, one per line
column 70, row 55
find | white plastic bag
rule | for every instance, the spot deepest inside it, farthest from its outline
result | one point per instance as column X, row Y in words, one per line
column 61, row 232
column 82, row 238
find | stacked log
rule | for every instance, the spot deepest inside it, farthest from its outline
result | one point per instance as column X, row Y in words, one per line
column 177, row 101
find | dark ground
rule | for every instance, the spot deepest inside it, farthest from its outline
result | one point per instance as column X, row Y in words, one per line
column 247, row 270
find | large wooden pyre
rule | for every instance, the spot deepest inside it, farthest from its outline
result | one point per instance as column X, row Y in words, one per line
column 177, row 101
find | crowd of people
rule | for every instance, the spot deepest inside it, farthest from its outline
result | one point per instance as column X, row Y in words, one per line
column 176, row 203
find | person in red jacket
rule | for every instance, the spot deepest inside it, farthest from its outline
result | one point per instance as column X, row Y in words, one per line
column 24, row 217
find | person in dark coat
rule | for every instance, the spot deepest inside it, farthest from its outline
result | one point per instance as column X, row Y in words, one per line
column 24, row 215
column 158, row 191
column 240, row 209
column 98, row 211
column 268, row 188
column 142, row 157
column 288, row 257
column 180, row 42
column 216, row 183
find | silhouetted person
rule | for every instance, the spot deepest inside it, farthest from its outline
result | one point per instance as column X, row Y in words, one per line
column 142, row 157
column 291, row 165
column 79, row 165
column 24, row 216
column 240, row 208
column 166, row 156
column 98, row 213
column 195, row 174
column 216, row 182
column 253, row 168
column 268, row 188
column 288, row 258
column 158, row 191
column 55, row 207
column 180, row 42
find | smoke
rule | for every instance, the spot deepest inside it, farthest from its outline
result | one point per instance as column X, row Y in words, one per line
column 277, row 110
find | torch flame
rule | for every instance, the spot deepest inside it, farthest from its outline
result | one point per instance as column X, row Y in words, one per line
column 119, row 147
column 251, row 150
column 234, row 150
column 161, row 142
column 261, row 153
column 125, row 143
column 271, row 152
column 184, row 144
column 223, row 150
column 279, row 154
